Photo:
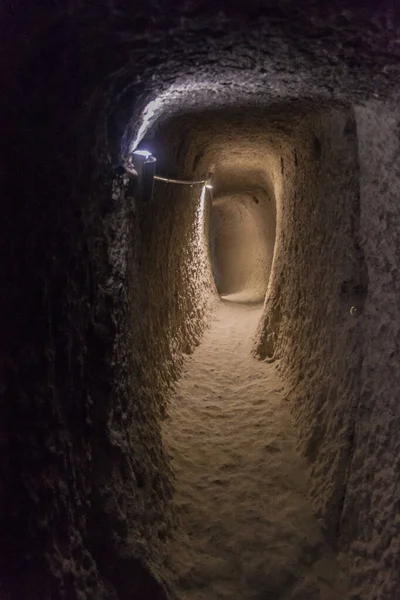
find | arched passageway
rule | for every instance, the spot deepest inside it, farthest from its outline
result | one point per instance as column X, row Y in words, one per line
column 107, row 298
column 242, row 245
column 246, row 526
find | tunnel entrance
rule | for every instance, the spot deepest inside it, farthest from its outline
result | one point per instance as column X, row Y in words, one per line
column 241, row 245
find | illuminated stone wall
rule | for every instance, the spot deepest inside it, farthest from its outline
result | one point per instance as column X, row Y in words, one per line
column 318, row 275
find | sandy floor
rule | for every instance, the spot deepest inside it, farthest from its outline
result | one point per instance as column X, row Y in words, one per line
column 246, row 527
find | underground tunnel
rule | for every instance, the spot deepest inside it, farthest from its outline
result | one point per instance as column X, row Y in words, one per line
column 199, row 380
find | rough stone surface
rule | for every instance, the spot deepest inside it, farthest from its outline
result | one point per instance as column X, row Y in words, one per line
column 246, row 527
column 85, row 484
column 176, row 287
column 318, row 275
column 371, row 511
column 242, row 269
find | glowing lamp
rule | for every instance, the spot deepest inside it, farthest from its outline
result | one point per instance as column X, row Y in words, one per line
column 144, row 165
column 144, row 153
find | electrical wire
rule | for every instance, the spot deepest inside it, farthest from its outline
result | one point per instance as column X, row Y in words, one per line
column 180, row 181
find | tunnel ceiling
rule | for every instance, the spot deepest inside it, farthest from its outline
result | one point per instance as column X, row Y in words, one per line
column 196, row 54
column 241, row 146
column 268, row 52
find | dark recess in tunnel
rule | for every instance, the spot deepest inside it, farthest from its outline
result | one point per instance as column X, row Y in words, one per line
column 104, row 294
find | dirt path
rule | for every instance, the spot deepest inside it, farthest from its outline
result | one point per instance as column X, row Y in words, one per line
column 247, row 530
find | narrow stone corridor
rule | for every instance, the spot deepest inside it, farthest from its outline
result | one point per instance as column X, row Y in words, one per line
column 246, row 527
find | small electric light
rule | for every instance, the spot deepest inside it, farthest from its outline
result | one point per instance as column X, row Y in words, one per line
column 209, row 186
column 144, row 153
column 142, row 165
